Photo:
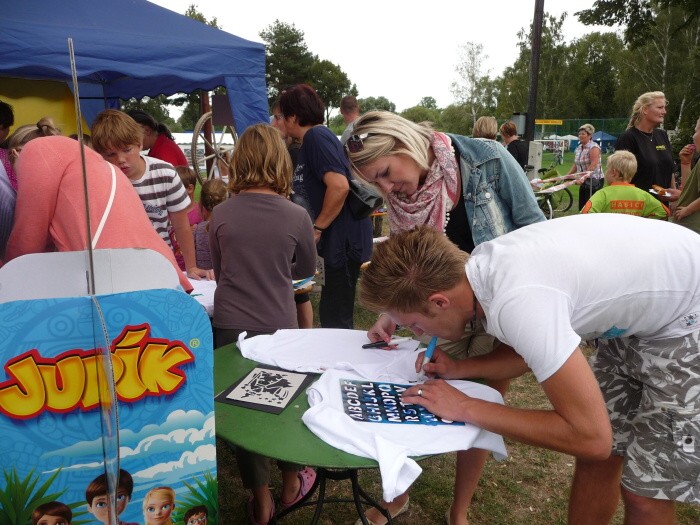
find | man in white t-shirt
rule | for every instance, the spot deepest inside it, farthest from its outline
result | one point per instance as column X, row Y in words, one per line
column 630, row 283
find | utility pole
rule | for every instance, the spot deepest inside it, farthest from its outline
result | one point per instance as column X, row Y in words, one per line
column 534, row 70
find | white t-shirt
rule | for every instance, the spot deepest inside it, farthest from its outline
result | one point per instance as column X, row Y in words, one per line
column 546, row 286
column 319, row 349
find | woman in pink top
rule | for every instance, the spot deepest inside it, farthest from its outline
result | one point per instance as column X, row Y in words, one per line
column 50, row 211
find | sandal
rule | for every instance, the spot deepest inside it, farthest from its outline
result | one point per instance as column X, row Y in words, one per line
column 250, row 507
column 306, row 481
column 394, row 515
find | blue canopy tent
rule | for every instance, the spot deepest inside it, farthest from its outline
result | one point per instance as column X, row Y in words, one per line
column 130, row 48
column 604, row 139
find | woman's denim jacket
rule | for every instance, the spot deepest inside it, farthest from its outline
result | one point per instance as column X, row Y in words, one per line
column 497, row 194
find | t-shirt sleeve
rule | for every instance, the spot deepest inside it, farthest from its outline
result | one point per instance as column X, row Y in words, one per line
column 176, row 198
column 326, row 156
column 626, row 142
column 595, row 204
column 657, row 209
column 536, row 322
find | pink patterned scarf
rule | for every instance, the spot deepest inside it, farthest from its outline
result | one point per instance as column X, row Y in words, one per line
column 438, row 194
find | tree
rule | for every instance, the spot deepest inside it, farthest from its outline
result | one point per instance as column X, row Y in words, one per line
column 428, row 102
column 422, row 114
column 638, row 16
column 330, row 82
column 337, row 124
column 456, row 118
column 594, row 76
column 472, row 87
column 667, row 62
column 156, row 107
column 288, row 60
column 376, row 103
column 196, row 15
column 554, row 97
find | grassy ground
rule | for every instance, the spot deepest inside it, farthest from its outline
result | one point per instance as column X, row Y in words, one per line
column 530, row 487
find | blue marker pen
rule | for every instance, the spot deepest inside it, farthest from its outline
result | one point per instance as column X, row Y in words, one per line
column 428, row 356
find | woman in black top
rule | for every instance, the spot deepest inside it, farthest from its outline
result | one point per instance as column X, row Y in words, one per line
column 648, row 142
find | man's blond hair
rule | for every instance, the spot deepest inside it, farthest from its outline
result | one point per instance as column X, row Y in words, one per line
column 624, row 162
column 408, row 268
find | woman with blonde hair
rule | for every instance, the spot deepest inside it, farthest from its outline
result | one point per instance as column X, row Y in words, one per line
column 472, row 190
column 23, row 134
column 254, row 235
column 649, row 143
column 485, row 128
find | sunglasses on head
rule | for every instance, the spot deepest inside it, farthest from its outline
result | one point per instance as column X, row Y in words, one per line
column 355, row 143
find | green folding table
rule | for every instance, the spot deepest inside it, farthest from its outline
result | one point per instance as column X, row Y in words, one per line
column 285, row 437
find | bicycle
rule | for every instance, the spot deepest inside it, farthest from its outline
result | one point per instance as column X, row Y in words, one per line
column 551, row 193
column 559, row 201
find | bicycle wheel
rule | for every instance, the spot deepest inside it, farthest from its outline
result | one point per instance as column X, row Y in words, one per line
column 562, row 200
column 545, row 204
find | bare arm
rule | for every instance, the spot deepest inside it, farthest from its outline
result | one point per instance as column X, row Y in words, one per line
column 686, row 156
column 595, row 159
column 502, row 363
column 684, row 211
column 185, row 239
column 577, row 425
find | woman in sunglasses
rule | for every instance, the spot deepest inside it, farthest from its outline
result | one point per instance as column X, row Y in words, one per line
column 471, row 189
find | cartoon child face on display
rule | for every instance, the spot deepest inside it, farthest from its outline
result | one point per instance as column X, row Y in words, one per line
column 198, row 519
column 159, row 509
column 99, row 507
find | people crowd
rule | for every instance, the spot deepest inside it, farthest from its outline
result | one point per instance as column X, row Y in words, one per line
column 466, row 198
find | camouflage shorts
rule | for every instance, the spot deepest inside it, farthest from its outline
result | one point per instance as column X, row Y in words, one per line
column 652, row 392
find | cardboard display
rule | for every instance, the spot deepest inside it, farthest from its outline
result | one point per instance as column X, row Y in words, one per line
column 65, row 422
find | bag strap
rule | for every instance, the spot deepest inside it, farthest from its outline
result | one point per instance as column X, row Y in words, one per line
column 98, row 232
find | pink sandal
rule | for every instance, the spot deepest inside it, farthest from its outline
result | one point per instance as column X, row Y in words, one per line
column 306, row 481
